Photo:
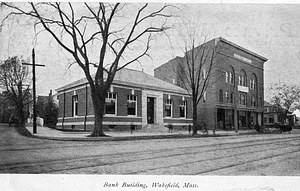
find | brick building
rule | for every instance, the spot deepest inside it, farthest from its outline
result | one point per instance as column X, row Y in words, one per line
column 135, row 98
column 235, row 99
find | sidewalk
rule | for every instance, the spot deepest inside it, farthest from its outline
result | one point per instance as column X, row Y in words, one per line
column 48, row 133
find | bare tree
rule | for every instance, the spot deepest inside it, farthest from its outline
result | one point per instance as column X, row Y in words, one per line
column 284, row 97
column 119, row 34
column 196, row 70
column 13, row 76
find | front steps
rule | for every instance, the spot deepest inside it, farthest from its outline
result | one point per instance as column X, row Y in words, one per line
column 154, row 128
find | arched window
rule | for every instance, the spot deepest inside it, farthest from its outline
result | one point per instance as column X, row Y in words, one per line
column 204, row 73
column 231, row 78
column 227, row 77
column 230, row 75
column 253, row 82
column 243, row 78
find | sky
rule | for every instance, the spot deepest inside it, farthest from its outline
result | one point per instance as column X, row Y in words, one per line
column 270, row 30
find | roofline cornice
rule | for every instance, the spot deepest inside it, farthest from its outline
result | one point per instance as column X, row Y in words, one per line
column 126, row 86
column 243, row 49
column 117, row 82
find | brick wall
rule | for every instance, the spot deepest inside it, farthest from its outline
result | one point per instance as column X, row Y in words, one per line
column 168, row 71
column 227, row 56
column 226, row 59
column 121, row 121
column 176, row 99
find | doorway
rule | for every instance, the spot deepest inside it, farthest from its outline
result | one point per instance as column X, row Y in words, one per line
column 150, row 110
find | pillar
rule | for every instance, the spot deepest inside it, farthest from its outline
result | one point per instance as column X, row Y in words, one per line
column 236, row 120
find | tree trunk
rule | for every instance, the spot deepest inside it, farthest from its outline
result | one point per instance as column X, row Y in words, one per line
column 195, row 125
column 21, row 117
column 98, row 104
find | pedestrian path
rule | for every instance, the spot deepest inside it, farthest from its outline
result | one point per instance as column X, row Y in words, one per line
column 45, row 132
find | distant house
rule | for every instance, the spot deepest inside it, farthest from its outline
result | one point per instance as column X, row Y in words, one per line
column 135, row 99
column 297, row 114
column 270, row 114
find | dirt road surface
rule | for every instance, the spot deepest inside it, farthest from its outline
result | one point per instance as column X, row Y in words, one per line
column 259, row 155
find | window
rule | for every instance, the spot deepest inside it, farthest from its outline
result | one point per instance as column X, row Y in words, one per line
column 75, row 105
column 265, row 120
column 204, row 73
column 253, row 81
column 231, row 81
column 227, row 77
column 182, row 109
column 271, row 119
column 168, row 108
column 230, row 76
column 253, row 101
column 204, row 97
column 174, row 81
column 242, row 99
column 227, row 97
column 110, row 103
column 221, row 96
column 242, row 78
column 131, row 105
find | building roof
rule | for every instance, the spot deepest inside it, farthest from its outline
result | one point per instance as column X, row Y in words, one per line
column 134, row 78
column 241, row 48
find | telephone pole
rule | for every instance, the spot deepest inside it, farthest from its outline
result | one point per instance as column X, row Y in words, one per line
column 33, row 89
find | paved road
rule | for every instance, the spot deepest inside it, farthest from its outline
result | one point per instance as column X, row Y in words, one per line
column 272, row 154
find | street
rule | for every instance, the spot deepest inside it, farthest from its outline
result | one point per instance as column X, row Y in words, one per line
column 258, row 154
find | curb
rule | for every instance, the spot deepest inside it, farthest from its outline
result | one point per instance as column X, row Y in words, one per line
column 131, row 138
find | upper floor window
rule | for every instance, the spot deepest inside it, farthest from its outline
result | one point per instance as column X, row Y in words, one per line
column 227, row 97
column 75, row 105
column 221, row 96
column 174, row 81
column 168, row 108
column 182, row 109
column 266, row 109
column 111, row 103
column 204, row 96
column 231, row 79
column 253, row 101
column 204, row 73
column 230, row 76
column 253, row 84
column 242, row 78
column 243, row 99
column 131, row 105
column 227, row 77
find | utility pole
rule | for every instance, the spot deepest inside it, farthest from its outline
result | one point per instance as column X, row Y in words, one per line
column 34, row 90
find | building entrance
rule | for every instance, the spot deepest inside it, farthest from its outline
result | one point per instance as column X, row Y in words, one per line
column 150, row 110
column 242, row 119
column 225, row 119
